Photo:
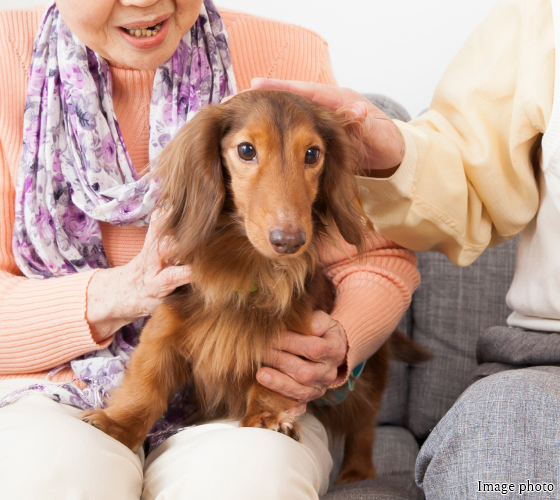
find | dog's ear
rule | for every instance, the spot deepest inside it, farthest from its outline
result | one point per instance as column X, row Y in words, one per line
column 190, row 178
column 338, row 200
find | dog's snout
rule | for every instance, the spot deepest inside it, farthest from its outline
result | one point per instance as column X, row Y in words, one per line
column 287, row 242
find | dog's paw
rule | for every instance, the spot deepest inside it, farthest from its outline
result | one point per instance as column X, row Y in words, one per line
column 98, row 419
column 353, row 474
column 282, row 423
column 102, row 421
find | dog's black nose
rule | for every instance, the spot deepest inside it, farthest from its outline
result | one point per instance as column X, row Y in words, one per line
column 285, row 242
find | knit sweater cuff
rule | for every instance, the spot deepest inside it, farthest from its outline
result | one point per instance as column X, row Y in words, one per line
column 44, row 323
column 369, row 322
column 399, row 185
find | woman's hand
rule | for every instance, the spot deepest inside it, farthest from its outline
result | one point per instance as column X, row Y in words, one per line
column 379, row 141
column 305, row 379
column 120, row 295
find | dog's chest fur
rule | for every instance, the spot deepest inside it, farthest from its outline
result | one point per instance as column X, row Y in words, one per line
column 234, row 310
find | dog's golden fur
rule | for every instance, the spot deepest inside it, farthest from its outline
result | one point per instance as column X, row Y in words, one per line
column 220, row 209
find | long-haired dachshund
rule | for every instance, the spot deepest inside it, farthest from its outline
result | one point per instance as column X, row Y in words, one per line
column 249, row 188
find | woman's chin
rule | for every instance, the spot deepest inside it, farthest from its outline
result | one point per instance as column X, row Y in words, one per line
column 140, row 59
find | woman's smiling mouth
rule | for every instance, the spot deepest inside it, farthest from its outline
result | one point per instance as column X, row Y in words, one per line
column 146, row 34
column 149, row 31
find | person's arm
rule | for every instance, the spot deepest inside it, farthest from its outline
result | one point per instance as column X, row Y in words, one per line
column 372, row 293
column 42, row 322
column 466, row 179
column 47, row 322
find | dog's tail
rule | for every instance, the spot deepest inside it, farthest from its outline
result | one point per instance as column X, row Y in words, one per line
column 402, row 348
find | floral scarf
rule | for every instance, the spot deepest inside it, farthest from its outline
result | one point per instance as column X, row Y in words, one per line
column 75, row 171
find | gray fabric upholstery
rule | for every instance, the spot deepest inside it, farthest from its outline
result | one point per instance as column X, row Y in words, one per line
column 395, row 397
column 516, row 346
column 394, row 452
column 394, row 456
column 502, row 348
column 487, row 369
column 379, row 488
column 391, row 108
column 450, row 309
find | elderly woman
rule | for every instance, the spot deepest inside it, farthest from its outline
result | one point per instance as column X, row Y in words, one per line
column 106, row 86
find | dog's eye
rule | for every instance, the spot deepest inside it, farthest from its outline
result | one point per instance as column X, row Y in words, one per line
column 246, row 151
column 312, row 156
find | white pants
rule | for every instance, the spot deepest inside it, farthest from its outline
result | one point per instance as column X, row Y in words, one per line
column 48, row 453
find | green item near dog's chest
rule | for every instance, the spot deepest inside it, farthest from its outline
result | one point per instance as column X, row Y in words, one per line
column 338, row 395
column 252, row 289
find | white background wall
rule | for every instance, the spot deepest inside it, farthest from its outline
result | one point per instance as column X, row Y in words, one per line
column 396, row 47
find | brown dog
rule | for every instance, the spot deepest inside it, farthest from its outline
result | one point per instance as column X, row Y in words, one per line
column 249, row 188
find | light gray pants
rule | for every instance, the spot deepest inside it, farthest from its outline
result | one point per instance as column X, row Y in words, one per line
column 501, row 439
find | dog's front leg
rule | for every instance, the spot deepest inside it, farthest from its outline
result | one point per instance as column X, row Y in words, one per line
column 155, row 372
column 269, row 410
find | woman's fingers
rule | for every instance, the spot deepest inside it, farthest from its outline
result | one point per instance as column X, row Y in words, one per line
column 120, row 295
column 325, row 95
column 286, row 386
column 301, row 370
column 379, row 141
column 155, row 220
column 302, row 367
column 167, row 280
column 156, row 255
column 313, row 348
column 321, row 323
column 327, row 342
column 316, row 92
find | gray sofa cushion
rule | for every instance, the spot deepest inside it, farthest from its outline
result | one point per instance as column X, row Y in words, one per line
column 391, row 108
column 450, row 309
column 393, row 408
column 379, row 488
column 395, row 397
column 394, row 456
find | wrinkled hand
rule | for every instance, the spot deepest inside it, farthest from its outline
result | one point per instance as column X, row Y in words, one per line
column 151, row 276
column 303, row 380
column 379, row 141
column 120, row 295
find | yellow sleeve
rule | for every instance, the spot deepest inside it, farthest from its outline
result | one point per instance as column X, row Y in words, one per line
column 467, row 181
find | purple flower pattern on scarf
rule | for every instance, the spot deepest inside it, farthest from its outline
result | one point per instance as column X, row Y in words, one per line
column 75, row 171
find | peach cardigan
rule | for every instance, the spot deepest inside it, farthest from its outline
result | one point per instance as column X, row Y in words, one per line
column 42, row 322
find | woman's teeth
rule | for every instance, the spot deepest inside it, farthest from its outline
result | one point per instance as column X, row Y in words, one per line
column 148, row 31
